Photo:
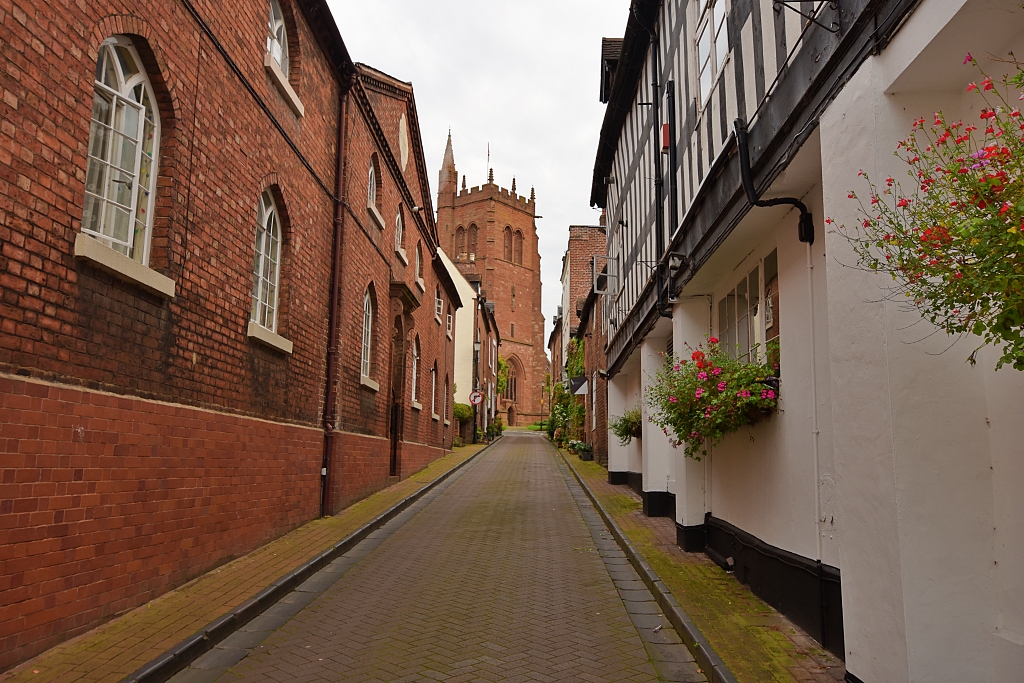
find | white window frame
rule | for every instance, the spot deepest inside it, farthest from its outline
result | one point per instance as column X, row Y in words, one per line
column 365, row 357
column 371, row 186
column 127, row 94
column 593, row 401
column 433, row 391
column 450, row 325
column 444, row 401
column 713, row 24
column 400, row 235
column 277, row 37
column 415, row 371
column 438, row 305
column 266, row 275
column 728, row 317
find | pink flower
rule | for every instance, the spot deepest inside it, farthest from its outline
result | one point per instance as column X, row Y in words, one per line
column 968, row 59
column 717, row 371
column 676, row 367
column 702, row 376
column 721, row 386
column 699, row 393
column 771, row 393
column 673, row 399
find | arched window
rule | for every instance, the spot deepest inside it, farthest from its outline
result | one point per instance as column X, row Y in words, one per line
column 472, row 240
column 513, row 297
column 511, row 384
column 450, row 322
column 508, row 244
column 399, row 230
column 373, row 184
column 438, row 304
column 433, row 390
column 123, row 143
column 364, row 369
column 517, row 255
column 415, row 369
column 444, row 400
column 277, row 36
column 267, row 264
column 460, row 242
column 419, row 261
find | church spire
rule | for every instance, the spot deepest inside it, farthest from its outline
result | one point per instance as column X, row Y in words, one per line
column 448, row 178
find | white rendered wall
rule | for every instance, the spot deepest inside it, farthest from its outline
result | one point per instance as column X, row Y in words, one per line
column 927, row 447
column 762, row 477
column 464, row 321
column 618, row 455
column 691, row 324
column 658, row 457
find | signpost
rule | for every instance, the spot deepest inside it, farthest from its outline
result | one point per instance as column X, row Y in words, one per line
column 476, row 398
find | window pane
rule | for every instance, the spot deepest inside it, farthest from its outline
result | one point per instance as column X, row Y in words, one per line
column 704, row 45
column 705, row 84
column 127, row 62
column 102, row 105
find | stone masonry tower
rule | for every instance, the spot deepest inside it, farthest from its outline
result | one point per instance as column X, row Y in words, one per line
column 491, row 236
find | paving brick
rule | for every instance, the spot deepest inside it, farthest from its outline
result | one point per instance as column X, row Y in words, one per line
column 498, row 578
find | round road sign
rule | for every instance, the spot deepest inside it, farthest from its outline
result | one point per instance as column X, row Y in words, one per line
column 476, row 398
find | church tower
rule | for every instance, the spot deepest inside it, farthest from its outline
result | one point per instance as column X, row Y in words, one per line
column 491, row 235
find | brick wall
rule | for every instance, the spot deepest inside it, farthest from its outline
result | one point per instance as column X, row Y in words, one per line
column 585, row 242
column 595, row 334
column 107, row 501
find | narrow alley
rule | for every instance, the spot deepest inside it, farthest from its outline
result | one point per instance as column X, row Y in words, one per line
column 503, row 573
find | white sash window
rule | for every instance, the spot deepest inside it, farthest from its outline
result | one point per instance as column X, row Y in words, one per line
column 267, row 265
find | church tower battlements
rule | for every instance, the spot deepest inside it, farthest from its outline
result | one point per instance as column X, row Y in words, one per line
column 490, row 232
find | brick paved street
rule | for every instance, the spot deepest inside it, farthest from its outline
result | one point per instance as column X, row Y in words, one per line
column 504, row 573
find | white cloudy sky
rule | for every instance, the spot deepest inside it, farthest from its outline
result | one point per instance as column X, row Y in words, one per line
column 521, row 75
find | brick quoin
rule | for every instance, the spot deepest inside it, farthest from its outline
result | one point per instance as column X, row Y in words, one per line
column 145, row 440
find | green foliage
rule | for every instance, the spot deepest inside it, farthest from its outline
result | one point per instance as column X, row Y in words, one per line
column 457, row 442
column 502, row 376
column 627, row 426
column 953, row 244
column 568, row 415
column 580, row 447
column 575, row 358
column 495, row 428
column 711, row 394
column 462, row 412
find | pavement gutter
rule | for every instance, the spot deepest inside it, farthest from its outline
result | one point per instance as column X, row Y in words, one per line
column 190, row 649
column 708, row 660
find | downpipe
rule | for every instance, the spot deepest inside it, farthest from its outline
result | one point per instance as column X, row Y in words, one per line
column 330, row 416
column 805, row 232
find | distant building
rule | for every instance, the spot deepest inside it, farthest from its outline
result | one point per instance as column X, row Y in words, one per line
column 491, row 235
column 585, row 242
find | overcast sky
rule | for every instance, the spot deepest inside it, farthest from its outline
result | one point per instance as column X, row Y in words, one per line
column 522, row 75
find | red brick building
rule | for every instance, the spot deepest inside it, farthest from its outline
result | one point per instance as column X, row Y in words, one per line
column 585, row 242
column 492, row 237
column 173, row 204
column 594, row 336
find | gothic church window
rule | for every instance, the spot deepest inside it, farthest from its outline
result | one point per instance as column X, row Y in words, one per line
column 122, row 154
column 507, row 254
column 460, row 242
column 517, row 254
column 365, row 358
column 373, row 198
column 267, row 264
column 415, row 369
column 472, row 241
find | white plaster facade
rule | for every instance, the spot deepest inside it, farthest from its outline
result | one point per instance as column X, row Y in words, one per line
column 464, row 322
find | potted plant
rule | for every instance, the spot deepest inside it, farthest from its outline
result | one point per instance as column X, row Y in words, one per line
column 582, row 449
column 711, row 394
column 628, row 426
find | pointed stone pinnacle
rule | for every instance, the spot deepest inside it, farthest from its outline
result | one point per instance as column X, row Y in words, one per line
column 463, row 181
column 533, row 195
column 490, row 177
column 513, row 184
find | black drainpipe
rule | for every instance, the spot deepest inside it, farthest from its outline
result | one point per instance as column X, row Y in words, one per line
column 330, row 417
column 806, row 226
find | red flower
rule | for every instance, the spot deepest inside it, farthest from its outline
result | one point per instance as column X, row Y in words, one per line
column 987, row 83
column 903, row 202
column 697, row 355
column 972, row 86
column 712, row 340
column 988, row 114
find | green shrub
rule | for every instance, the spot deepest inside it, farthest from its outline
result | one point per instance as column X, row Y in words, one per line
column 462, row 412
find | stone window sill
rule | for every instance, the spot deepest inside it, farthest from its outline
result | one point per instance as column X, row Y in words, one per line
column 365, row 381
column 436, row 416
column 268, row 338
column 281, row 81
column 416, row 405
column 447, row 423
column 90, row 249
column 421, row 285
column 401, row 256
column 375, row 216
column 437, row 318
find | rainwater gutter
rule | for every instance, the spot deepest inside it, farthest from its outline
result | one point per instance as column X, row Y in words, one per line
column 330, row 417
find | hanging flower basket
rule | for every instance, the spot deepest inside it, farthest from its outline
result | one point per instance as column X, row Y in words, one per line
column 952, row 239
column 711, row 394
column 628, row 426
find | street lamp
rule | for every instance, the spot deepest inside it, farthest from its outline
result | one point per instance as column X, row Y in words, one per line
column 476, row 381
